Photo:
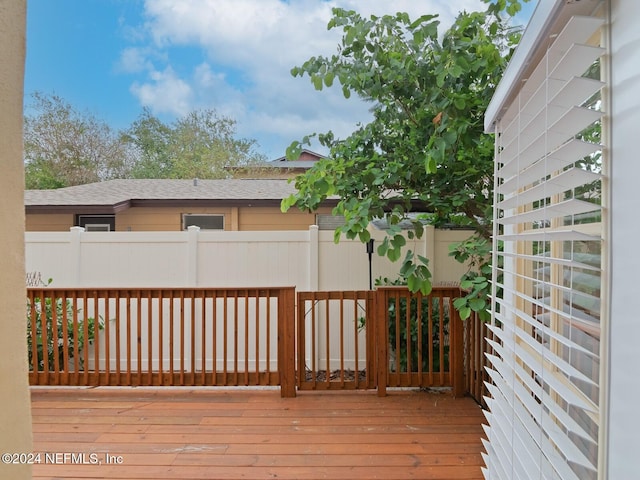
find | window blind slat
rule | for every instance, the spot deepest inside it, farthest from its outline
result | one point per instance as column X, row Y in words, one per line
column 531, row 417
column 551, row 260
column 578, row 30
column 549, row 235
column 560, row 158
column 563, row 209
column 570, row 124
column 536, row 389
column 536, row 323
column 550, row 378
column 567, row 180
column 525, row 428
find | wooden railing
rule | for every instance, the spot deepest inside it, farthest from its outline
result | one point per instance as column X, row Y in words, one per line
column 198, row 336
column 231, row 337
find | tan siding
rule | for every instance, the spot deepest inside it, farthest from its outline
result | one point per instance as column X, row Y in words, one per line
column 271, row 218
column 48, row 222
column 138, row 219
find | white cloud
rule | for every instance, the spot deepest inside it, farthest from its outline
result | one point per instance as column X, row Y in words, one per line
column 164, row 93
column 134, row 60
column 250, row 47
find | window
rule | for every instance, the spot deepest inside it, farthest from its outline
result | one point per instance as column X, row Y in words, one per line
column 545, row 413
column 96, row 223
column 329, row 222
column 204, row 221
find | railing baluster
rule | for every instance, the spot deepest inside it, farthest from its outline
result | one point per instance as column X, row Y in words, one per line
column 256, row 354
column 171, row 336
column 118, row 320
column 107, row 337
column 419, row 314
column 268, row 335
column 44, row 319
column 356, row 349
column 139, row 336
column 214, row 333
column 192, row 302
column 96, row 338
column 203, row 337
column 246, row 338
column 54, row 339
column 235, row 337
column 430, row 343
column 160, row 337
column 150, row 337
column 225, row 340
column 129, row 322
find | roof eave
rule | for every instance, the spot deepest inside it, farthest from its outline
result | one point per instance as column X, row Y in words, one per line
column 86, row 209
column 548, row 18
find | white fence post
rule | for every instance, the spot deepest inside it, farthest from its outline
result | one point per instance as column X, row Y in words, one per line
column 314, row 258
column 192, row 255
column 75, row 242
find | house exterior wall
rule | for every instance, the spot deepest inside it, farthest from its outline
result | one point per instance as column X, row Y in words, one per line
column 15, row 414
column 623, row 423
column 48, row 222
column 271, row 218
column 146, row 219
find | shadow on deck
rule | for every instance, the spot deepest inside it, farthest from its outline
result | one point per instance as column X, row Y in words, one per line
column 184, row 433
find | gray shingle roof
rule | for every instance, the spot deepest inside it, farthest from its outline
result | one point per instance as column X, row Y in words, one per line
column 115, row 192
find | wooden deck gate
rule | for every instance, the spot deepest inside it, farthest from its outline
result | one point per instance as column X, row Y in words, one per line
column 386, row 338
column 334, row 340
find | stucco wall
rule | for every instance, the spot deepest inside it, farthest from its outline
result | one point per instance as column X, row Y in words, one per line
column 15, row 416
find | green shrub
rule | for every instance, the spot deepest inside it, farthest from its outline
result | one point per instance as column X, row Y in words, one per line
column 44, row 315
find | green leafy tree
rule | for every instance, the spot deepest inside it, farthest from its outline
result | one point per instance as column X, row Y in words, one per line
column 425, row 149
column 65, row 147
column 199, row 145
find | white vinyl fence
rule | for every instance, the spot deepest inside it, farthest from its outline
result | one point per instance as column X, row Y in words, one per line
column 308, row 260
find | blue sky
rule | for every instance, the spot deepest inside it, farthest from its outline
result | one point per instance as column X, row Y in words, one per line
column 114, row 57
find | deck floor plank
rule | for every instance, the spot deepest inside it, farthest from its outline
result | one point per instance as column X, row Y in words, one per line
column 172, row 433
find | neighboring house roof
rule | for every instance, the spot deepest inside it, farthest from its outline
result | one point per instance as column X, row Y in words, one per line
column 118, row 195
column 305, row 161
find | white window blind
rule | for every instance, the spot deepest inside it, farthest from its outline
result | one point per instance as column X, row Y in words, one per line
column 543, row 417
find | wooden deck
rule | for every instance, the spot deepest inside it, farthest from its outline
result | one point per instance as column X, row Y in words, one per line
column 185, row 433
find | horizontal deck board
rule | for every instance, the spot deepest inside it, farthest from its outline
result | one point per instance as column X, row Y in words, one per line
column 231, row 434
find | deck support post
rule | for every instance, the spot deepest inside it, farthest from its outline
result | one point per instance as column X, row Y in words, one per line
column 287, row 342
